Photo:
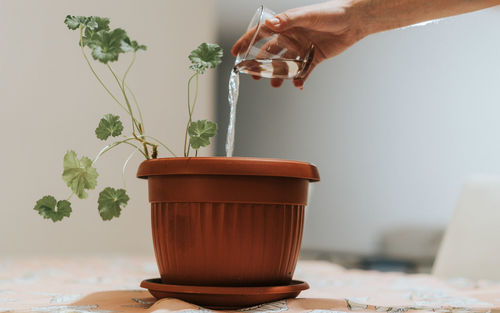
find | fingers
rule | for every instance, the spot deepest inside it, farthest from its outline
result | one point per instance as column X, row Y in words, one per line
column 236, row 48
column 268, row 48
column 307, row 17
column 330, row 16
column 286, row 20
column 299, row 82
column 276, row 82
column 301, row 17
column 280, row 50
column 245, row 40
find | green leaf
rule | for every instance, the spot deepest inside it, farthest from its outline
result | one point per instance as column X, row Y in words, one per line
column 109, row 125
column 131, row 46
column 200, row 133
column 91, row 23
column 74, row 22
column 94, row 25
column 111, row 202
column 97, row 23
column 106, row 45
column 46, row 207
column 79, row 174
column 207, row 55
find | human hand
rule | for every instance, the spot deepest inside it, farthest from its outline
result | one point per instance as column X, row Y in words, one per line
column 331, row 27
column 336, row 25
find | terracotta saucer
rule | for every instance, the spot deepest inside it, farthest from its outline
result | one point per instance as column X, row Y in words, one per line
column 224, row 297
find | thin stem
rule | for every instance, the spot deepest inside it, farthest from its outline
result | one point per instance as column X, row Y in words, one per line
column 128, row 68
column 189, row 93
column 109, row 147
column 138, row 149
column 146, row 150
column 195, row 95
column 137, row 106
column 114, row 144
column 154, row 153
column 161, row 144
column 130, row 90
column 190, row 112
column 125, row 167
column 134, row 121
column 104, row 150
column 95, row 74
column 196, row 153
column 70, row 196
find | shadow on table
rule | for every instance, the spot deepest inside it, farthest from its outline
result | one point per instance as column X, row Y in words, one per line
column 115, row 300
column 142, row 301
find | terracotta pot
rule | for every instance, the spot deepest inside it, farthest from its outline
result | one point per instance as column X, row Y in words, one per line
column 227, row 221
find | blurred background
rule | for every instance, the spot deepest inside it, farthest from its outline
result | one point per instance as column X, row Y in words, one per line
column 396, row 125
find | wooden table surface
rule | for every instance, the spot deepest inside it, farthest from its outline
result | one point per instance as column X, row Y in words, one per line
column 111, row 284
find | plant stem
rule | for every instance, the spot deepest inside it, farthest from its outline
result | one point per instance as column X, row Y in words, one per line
column 130, row 90
column 70, row 196
column 195, row 95
column 135, row 124
column 138, row 149
column 128, row 108
column 161, row 144
column 109, row 147
column 128, row 68
column 190, row 112
column 95, row 74
column 134, row 121
column 137, row 106
column 114, row 144
column 125, row 167
column 146, row 151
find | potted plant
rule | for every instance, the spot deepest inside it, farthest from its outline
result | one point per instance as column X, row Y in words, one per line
column 226, row 231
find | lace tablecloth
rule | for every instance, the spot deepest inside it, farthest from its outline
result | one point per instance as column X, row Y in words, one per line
column 111, row 284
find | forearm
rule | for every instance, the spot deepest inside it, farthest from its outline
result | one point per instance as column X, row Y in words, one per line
column 381, row 15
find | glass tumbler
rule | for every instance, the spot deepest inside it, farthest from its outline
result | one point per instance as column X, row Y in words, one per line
column 264, row 53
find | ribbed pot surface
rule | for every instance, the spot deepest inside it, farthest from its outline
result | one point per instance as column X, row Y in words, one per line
column 227, row 221
column 226, row 244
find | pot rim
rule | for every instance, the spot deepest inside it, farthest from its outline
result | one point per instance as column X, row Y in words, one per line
column 236, row 166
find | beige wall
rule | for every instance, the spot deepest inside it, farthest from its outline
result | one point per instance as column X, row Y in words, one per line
column 49, row 103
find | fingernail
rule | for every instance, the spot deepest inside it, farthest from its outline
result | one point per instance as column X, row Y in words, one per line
column 298, row 83
column 275, row 21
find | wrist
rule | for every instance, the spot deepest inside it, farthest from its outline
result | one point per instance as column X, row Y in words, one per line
column 361, row 18
column 375, row 16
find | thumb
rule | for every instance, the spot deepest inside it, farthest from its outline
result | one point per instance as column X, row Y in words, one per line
column 287, row 20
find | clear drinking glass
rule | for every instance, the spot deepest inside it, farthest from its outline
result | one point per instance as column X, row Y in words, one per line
column 265, row 53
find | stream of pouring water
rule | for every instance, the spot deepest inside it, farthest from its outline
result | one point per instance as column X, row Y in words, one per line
column 275, row 68
column 234, row 85
column 270, row 68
